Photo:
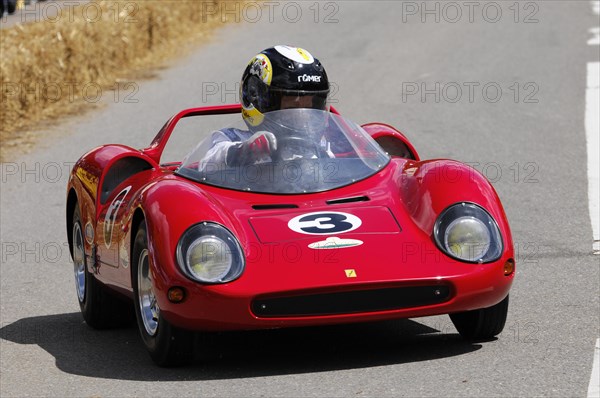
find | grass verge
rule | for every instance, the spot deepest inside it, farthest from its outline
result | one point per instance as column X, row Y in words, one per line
column 56, row 66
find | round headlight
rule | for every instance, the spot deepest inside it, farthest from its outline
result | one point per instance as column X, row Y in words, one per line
column 467, row 238
column 468, row 233
column 208, row 252
column 208, row 258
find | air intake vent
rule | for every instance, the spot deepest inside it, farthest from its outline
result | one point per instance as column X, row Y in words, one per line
column 348, row 200
column 274, row 206
column 351, row 302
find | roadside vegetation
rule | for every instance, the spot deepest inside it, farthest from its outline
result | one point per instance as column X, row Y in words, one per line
column 59, row 65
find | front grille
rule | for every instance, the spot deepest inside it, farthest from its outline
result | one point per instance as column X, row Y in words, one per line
column 351, row 302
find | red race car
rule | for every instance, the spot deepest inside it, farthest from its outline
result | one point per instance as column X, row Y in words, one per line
column 343, row 224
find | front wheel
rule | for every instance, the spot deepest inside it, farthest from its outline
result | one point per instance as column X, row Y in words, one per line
column 166, row 344
column 483, row 324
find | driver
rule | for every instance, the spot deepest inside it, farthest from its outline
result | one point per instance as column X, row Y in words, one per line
column 279, row 77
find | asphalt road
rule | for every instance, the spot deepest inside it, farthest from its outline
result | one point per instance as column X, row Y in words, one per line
column 529, row 140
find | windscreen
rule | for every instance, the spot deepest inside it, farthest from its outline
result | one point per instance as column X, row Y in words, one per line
column 291, row 151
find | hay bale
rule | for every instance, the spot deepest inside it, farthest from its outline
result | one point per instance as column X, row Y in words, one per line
column 47, row 66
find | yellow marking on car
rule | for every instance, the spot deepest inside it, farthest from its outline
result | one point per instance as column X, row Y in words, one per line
column 350, row 273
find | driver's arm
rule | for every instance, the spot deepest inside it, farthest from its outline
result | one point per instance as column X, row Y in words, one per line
column 227, row 153
column 259, row 147
column 215, row 157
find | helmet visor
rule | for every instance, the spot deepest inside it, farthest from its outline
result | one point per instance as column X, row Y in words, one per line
column 286, row 99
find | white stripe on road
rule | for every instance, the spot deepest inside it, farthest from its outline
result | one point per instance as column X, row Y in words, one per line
column 592, row 134
column 594, row 387
column 595, row 39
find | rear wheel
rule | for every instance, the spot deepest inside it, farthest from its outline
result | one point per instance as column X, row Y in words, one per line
column 482, row 324
column 100, row 310
column 167, row 345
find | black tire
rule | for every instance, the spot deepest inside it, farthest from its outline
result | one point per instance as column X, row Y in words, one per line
column 168, row 346
column 100, row 310
column 12, row 6
column 483, row 324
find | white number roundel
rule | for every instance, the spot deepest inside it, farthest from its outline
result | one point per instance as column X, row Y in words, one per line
column 324, row 222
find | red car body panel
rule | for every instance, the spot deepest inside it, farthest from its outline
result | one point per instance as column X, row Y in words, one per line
column 398, row 207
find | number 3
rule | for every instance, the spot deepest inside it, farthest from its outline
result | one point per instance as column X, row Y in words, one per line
column 320, row 223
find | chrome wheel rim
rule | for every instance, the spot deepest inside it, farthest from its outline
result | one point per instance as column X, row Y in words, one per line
column 148, row 306
column 79, row 262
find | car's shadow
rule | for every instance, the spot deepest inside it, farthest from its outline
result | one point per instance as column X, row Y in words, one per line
column 119, row 353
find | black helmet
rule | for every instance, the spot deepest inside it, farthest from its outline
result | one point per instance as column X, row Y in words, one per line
column 282, row 77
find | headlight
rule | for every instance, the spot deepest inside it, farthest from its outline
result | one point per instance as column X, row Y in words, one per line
column 468, row 233
column 208, row 252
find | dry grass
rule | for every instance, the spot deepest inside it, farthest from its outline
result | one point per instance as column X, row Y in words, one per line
column 51, row 68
